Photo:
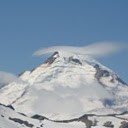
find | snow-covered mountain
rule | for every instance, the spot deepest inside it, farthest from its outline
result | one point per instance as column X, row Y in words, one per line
column 67, row 87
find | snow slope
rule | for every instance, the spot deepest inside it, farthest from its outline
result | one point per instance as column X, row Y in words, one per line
column 66, row 87
column 9, row 118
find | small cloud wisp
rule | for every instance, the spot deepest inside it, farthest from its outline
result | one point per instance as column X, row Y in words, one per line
column 6, row 78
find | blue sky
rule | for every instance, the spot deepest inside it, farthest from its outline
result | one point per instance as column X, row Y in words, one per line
column 28, row 25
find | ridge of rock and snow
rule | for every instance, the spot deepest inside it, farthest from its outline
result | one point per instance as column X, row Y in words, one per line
column 9, row 118
column 67, row 87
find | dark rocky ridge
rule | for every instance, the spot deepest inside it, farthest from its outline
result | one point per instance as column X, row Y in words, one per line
column 104, row 73
column 21, row 122
column 51, row 59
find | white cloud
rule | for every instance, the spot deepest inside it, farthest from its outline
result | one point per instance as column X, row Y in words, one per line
column 100, row 49
column 6, row 78
column 68, row 100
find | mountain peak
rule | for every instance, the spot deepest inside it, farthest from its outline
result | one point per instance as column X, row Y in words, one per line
column 64, row 57
column 51, row 59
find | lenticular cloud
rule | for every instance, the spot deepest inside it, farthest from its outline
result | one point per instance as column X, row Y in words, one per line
column 97, row 49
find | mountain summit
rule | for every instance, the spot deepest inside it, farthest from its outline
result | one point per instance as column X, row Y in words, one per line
column 66, row 87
